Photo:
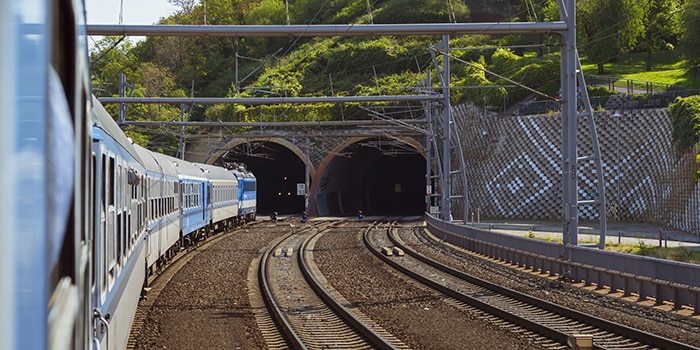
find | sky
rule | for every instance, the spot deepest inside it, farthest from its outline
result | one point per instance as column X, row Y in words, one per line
column 134, row 11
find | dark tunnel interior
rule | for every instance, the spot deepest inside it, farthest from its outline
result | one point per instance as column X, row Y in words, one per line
column 377, row 176
column 277, row 170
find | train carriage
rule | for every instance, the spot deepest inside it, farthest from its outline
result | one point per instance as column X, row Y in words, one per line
column 161, row 209
column 247, row 192
column 44, row 142
column 91, row 214
column 223, row 198
column 193, row 192
column 118, row 251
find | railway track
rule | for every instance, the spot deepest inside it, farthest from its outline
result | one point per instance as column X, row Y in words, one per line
column 549, row 324
column 308, row 313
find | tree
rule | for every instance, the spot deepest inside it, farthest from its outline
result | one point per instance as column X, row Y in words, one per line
column 607, row 28
column 662, row 24
column 685, row 123
column 690, row 40
column 422, row 11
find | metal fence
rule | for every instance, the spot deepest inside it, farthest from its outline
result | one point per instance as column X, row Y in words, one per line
column 632, row 94
column 664, row 280
column 631, row 87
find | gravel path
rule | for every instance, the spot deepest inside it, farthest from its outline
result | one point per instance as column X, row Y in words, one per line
column 205, row 305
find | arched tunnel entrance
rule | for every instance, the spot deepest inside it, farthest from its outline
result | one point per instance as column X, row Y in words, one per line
column 379, row 176
column 277, row 169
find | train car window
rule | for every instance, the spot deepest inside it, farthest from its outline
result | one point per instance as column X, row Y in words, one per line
column 118, row 185
column 118, row 238
column 191, row 192
column 111, row 234
column 120, row 226
column 94, row 212
column 111, row 173
column 127, row 237
column 102, row 239
column 183, row 195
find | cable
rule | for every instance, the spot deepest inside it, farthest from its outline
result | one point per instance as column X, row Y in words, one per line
column 504, row 78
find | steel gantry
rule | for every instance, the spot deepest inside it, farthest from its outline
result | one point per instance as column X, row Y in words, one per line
column 571, row 79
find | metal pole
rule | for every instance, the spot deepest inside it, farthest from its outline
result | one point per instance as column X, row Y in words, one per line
column 327, row 29
column 270, row 100
column 447, row 119
column 619, row 171
column 181, row 145
column 428, row 149
column 122, row 106
column 569, row 132
column 307, row 162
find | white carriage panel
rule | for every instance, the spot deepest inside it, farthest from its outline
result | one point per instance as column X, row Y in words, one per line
column 125, row 301
column 223, row 213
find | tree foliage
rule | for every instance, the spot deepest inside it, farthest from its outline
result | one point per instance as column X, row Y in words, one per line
column 685, row 121
column 607, row 28
column 422, row 11
column 661, row 25
column 301, row 66
column 690, row 38
column 477, row 88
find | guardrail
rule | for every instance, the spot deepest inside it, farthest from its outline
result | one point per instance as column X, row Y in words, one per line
column 663, row 280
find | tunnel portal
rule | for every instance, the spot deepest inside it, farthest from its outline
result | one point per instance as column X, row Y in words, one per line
column 277, row 170
column 378, row 176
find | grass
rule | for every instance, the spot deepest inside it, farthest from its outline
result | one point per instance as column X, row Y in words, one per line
column 681, row 253
column 666, row 69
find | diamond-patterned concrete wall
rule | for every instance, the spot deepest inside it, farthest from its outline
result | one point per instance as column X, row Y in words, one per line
column 514, row 167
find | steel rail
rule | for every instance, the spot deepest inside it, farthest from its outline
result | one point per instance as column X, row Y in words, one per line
column 599, row 323
column 277, row 313
column 365, row 330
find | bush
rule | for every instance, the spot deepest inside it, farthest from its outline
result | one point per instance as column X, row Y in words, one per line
column 542, row 76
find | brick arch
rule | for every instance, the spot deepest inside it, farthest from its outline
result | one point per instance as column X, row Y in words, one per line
column 219, row 151
column 315, row 179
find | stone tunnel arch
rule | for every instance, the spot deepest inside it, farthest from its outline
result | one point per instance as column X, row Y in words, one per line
column 378, row 175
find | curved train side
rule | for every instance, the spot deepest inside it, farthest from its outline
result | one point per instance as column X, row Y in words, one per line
column 88, row 215
column 148, row 207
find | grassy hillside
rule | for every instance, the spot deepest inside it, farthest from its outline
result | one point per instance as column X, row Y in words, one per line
column 666, row 69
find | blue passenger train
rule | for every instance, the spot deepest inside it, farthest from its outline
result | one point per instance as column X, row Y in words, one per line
column 87, row 214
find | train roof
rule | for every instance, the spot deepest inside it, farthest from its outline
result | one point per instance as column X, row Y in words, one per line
column 216, row 172
column 156, row 164
column 186, row 169
column 103, row 120
column 241, row 172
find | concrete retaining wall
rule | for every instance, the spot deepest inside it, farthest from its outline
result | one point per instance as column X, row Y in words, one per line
column 514, row 167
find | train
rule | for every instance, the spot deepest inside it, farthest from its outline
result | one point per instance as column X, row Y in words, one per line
column 88, row 215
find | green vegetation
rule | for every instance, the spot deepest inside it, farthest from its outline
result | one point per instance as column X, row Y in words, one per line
column 685, row 120
column 666, row 69
column 628, row 39
column 681, row 253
